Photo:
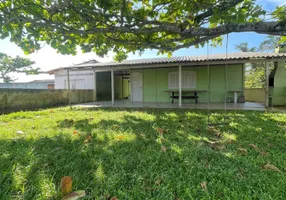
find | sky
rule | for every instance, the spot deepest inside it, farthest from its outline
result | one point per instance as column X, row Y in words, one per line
column 47, row 58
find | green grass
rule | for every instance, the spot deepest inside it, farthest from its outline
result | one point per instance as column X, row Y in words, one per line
column 126, row 156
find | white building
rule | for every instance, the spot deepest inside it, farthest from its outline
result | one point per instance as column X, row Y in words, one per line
column 36, row 84
column 79, row 80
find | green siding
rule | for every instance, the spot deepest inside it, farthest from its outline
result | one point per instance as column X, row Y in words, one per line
column 155, row 82
column 217, row 83
column 118, row 87
column 203, row 83
column 235, row 77
column 162, row 85
column 149, row 85
column 126, row 90
column 279, row 90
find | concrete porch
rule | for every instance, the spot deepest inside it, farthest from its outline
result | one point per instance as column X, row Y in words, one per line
column 211, row 106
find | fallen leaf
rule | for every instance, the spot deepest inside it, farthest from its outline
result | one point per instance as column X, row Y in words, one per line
column 239, row 175
column 271, row 167
column 270, row 145
column 254, row 146
column 114, row 198
column 242, row 151
column 231, row 141
column 160, row 131
column 158, row 182
column 74, row 195
column 163, row 148
column 66, row 185
column 214, row 131
column 74, row 132
column 204, row 186
column 217, row 146
column 264, row 153
column 87, row 139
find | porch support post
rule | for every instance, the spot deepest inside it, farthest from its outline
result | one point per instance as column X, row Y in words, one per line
column 69, row 87
column 267, row 84
column 94, row 78
column 112, row 86
column 180, row 85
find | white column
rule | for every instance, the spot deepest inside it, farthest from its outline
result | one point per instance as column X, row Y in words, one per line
column 112, row 86
column 69, row 86
column 267, row 84
column 235, row 97
column 180, row 85
column 94, row 79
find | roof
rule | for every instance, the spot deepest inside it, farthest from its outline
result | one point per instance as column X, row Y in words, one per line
column 89, row 62
column 239, row 57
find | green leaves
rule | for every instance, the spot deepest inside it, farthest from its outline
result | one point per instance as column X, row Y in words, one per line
column 125, row 26
column 19, row 65
column 280, row 13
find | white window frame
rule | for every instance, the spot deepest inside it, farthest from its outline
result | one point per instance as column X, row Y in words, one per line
column 175, row 85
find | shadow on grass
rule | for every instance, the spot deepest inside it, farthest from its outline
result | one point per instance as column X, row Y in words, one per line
column 125, row 158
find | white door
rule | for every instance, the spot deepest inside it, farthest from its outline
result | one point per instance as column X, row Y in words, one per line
column 136, row 86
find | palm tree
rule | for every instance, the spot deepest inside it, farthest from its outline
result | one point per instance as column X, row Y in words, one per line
column 243, row 47
column 269, row 44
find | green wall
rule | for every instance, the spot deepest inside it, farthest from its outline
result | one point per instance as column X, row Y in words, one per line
column 279, row 90
column 155, row 81
column 126, row 88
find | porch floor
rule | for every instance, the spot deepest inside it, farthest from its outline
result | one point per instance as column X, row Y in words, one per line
column 211, row 106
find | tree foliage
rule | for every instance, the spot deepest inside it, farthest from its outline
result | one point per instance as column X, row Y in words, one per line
column 124, row 26
column 9, row 65
column 255, row 72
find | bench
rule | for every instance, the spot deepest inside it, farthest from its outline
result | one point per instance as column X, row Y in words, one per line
column 184, row 94
column 185, row 97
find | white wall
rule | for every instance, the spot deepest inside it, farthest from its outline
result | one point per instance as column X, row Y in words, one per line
column 78, row 80
column 33, row 85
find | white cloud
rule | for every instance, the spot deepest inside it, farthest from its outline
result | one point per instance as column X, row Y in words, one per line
column 47, row 59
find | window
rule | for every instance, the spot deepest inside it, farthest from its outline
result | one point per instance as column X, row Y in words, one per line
column 188, row 80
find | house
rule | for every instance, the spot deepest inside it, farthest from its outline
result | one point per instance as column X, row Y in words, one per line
column 188, row 79
column 36, row 84
column 79, row 80
column 277, row 81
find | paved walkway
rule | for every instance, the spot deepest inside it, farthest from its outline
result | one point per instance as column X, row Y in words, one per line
column 211, row 106
column 278, row 109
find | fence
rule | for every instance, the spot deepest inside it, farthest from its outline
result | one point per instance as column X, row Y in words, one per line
column 28, row 99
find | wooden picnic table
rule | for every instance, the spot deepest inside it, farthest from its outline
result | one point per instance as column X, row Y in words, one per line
column 195, row 96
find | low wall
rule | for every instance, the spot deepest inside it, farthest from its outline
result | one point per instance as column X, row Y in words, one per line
column 255, row 94
column 26, row 99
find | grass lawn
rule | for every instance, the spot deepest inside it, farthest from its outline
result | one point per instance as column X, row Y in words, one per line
column 143, row 154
